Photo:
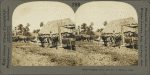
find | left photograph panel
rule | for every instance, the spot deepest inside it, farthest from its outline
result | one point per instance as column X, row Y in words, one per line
column 42, row 34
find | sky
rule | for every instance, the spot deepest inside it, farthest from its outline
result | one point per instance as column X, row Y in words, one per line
column 100, row 11
column 36, row 12
column 97, row 12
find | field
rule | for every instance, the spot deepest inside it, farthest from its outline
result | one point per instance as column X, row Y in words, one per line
column 32, row 54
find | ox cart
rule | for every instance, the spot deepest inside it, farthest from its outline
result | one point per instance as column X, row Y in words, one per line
column 70, row 42
column 85, row 37
column 66, row 39
column 119, row 39
column 131, row 40
column 69, row 39
column 111, row 40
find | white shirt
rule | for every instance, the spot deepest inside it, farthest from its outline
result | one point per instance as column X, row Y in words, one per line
column 50, row 34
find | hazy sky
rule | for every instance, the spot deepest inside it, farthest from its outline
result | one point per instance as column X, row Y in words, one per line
column 96, row 12
column 100, row 11
column 36, row 12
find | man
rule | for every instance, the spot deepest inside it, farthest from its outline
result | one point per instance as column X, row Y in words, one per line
column 49, row 39
column 41, row 38
column 130, row 36
column 113, row 37
column 100, row 36
column 119, row 39
column 104, row 38
column 15, row 31
column 36, row 39
column 55, row 41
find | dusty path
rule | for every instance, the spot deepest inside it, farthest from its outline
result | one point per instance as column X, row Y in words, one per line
column 30, row 54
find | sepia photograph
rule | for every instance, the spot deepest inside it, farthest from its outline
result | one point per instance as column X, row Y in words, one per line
column 108, row 34
column 98, row 33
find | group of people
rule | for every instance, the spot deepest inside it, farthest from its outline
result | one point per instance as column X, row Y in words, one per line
column 52, row 39
column 116, row 39
column 113, row 39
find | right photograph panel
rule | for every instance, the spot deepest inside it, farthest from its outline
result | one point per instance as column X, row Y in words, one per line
column 107, row 34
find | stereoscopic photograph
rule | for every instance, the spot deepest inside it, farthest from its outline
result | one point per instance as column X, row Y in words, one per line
column 98, row 33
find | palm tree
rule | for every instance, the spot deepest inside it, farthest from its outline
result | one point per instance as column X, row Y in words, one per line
column 105, row 23
column 36, row 31
column 84, row 27
column 87, row 29
column 26, row 29
column 90, row 28
column 41, row 24
column 20, row 27
column 98, row 30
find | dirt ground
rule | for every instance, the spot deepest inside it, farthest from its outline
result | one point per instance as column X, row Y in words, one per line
column 31, row 54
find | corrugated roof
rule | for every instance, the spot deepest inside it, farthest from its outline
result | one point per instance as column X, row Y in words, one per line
column 116, row 25
column 66, row 26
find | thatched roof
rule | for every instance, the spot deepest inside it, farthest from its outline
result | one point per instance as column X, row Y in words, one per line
column 116, row 25
column 66, row 26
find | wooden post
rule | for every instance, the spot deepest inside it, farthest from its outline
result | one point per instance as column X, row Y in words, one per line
column 80, row 42
column 78, row 30
column 59, row 31
column 122, row 35
column 132, row 42
column 100, row 37
column 70, row 44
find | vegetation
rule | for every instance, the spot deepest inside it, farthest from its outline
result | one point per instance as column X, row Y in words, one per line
column 41, row 24
column 87, row 29
column 20, row 27
column 105, row 23
column 99, row 30
column 34, row 55
column 36, row 31
column 24, row 30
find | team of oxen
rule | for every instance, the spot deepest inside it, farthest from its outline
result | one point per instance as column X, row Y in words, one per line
column 42, row 39
column 108, row 40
